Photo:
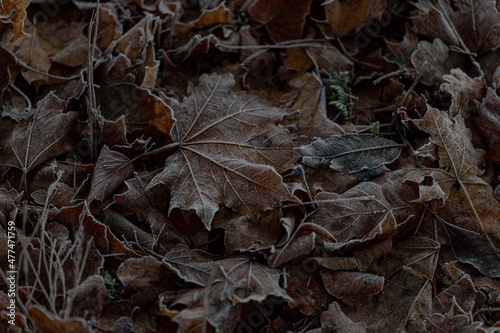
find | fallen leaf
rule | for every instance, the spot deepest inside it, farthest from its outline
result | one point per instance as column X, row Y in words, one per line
column 142, row 109
column 406, row 298
column 347, row 286
column 456, row 320
column 144, row 279
column 369, row 210
column 284, row 20
column 227, row 138
column 335, row 320
column 111, row 170
column 55, row 42
column 476, row 250
column 218, row 15
column 46, row 135
column 439, row 61
column 242, row 278
column 465, row 294
column 307, row 114
column 343, row 17
column 88, row 298
column 469, row 25
column 50, row 323
column 136, row 200
column 463, row 90
column 488, row 123
column 350, row 153
column 15, row 11
column 460, row 163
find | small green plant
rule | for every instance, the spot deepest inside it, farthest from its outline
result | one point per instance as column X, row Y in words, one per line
column 114, row 292
column 375, row 128
column 393, row 59
column 341, row 97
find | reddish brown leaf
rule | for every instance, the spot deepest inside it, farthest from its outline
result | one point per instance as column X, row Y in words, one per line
column 142, row 109
column 351, row 285
column 50, row 323
column 470, row 25
column 15, row 10
column 488, row 123
column 343, row 17
column 144, row 279
column 87, row 300
column 111, row 170
column 439, row 61
column 242, row 279
column 368, row 210
column 284, row 20
column 45, row 136
column 334, row 320
column 218, row 15
column 406, row 299
column 224, row 141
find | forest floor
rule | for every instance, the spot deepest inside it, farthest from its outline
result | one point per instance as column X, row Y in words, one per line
column 249, row 166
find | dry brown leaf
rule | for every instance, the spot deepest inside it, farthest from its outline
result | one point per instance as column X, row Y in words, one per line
column 334, row 320
column 307, row 114
column 55, row 42
column 111, row 170
column 47, row 135
column 225, row 144
column 343, row 17
column 488, row 123
column 463, row 90
column 347, row 286
column 238, row 278
column 406, row 299
column 15, row 11
column 471, row 25
column 439, row 61
column 368, row 210
column 283, row 19
column 460, row 167
column 218, row 15
column 144, row 279
column 47, row 322
column 143, row 110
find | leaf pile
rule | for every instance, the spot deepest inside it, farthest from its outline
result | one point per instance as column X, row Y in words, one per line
column 250, row 166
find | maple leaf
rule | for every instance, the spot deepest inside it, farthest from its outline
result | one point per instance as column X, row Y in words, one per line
column 458, row 178
column 460, row 162
column 46, row 135
column 229, row 150
column 472, row 25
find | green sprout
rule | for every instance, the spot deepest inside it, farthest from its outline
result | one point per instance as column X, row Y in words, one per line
column 112, row 286
column 341, row 97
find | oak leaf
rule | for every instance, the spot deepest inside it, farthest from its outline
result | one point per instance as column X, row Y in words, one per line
column 229, row 150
